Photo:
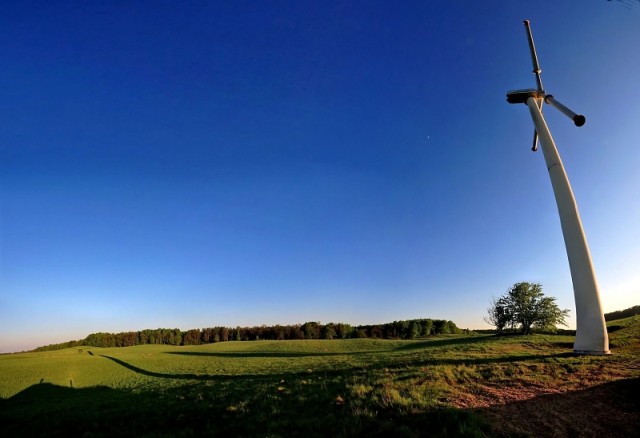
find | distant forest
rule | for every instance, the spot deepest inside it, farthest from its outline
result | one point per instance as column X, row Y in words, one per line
column 410, row 329
column 619, row 314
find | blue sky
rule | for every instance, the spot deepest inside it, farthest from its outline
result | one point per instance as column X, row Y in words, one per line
column 192, row 164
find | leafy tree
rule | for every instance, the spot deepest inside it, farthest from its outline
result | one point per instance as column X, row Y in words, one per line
column 129, row 339
column 376, row 332
column 404, row 328
column 499, row 315
column 525, row 306
column 174, row 337
column 439, row 327
column 343, row 331
column 311, row 330
column 143, row 337
column 329, row 331
column 427, row 326
column 549, row 314
column 206, row 335
column 224, row 331
column 191, row 337
column 452, row 328
column 415, row 330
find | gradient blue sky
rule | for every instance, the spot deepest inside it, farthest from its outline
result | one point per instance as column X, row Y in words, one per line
column 191, row 164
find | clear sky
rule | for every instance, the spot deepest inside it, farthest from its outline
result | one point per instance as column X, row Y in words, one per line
column 192, row 164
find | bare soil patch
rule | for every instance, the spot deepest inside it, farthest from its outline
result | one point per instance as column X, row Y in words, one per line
column 606, row 410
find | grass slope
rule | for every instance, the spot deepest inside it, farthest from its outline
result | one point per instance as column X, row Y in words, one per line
column 459, row 385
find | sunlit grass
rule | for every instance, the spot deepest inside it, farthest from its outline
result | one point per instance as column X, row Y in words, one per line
column 356, row 385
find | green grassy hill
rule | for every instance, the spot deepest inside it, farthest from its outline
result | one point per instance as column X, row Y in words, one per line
column 456, row 385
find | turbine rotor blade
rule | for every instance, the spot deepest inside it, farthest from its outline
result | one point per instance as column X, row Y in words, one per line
column 578, row 119
column 534, row 56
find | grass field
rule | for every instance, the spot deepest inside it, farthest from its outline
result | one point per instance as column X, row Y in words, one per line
column 458, row 385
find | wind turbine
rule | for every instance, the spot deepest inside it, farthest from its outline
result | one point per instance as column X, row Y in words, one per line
column 591, row 330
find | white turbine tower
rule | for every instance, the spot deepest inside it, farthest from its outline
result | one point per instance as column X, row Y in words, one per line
column 591, row 331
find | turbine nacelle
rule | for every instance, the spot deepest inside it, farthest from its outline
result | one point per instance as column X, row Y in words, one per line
column 521, row 96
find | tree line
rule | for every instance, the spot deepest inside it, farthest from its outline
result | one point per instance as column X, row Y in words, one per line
column 619, row 314
column 408, row 329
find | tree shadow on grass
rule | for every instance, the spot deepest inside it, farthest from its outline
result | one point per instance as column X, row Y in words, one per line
column 185, row 376
column 469, row 340
column 366, row 368
column 216, row 377
column 241, row 354
column 447, row 342
column 224, row 377
column 484, row 361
